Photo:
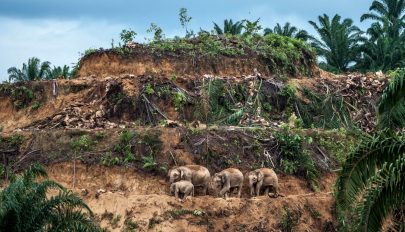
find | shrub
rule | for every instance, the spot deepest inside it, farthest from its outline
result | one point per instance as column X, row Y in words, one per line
column 21, row 96
column 289, row 220
column 83, row 143
column 294, row 159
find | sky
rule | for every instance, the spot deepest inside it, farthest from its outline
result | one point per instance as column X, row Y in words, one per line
column 58, row 30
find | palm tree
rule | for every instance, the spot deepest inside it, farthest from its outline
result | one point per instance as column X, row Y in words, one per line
column 385, row 48
column 59, row 72
column 33, row 70
column 390, row 13
column 25, row 206
column 339, row 41
column 380, row 51
column 230, row 28
column 287, row 30
column 372, row 178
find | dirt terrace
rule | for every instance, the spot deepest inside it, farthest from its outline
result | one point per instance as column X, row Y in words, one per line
column 144, row 199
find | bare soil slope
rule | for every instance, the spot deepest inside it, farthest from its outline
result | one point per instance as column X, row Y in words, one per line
column 144, row 199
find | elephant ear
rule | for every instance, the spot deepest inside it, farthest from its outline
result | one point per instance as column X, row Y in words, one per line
column 223, row 178
column 260, row 176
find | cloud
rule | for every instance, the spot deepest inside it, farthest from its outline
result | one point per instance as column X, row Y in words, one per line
column 57, row 41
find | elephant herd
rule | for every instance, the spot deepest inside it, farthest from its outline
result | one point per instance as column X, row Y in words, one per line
column 183, row 179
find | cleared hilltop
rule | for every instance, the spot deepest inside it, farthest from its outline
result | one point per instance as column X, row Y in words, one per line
column 133, row 112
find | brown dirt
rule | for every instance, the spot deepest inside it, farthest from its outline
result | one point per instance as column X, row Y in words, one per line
column 145, row 200
column 108, row 63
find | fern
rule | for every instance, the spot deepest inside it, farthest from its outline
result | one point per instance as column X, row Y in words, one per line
column 391, row 108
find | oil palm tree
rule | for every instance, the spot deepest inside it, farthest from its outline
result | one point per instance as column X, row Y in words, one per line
column 33, row 70
column 25, row 206
column 287, row 30
column 59, row 72
column 229, row 28
column 372, row 178
column 380, row 51
column 385, row 48
column 338, row 43
column 390, row 13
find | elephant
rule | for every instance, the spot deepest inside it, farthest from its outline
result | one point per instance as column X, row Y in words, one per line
column 263, row 178
column 228, row 179
column 182, row 187
column 198, row 175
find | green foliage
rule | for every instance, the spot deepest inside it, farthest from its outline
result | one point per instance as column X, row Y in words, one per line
column 130, row 225
column 21, row 96
column 89, row 51
column 177, row 213
column 371, row 182
column 184, row 21
column 289, row 31
column 115, row 220
column 157, row 32
column 289, row 220
column 332, row 111
column 149, row 162
column 149, row 89
column 282, row 54
column 289, row 91
column 294, row 159
column 15, row 140
column 99, row 135
column 25, row 206
column 312, row 211
column 179, row 99
column 127, row 36
column 339, row 143
column 339, row 42
column 107, row 159
column 230, row 27
column 251, row 27
column 385, row 48
column 391, row 108
column 31, row 71
column 125, row 144
column 35, row 106
column 83, row 143
column 59, row 72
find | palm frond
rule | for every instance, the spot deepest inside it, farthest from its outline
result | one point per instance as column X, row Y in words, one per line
column 391, row 107
column 362, row 164
column 385, row 192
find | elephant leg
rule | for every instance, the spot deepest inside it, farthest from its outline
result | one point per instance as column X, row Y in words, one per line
column 176, row 193
column 224, row 190
column 275, row 191
column 258, row 187
column 239, row 190
column 252, row 191
column 205, row 187
column 266, row 191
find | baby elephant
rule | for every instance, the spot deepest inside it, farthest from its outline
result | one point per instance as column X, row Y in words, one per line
column 262, row 178
column 196, row 174
column 184, row 187
column 228, row 179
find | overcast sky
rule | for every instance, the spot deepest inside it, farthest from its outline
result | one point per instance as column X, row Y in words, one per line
column 58, row 30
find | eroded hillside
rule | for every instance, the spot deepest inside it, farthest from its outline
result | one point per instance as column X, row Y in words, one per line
column 129, row 117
